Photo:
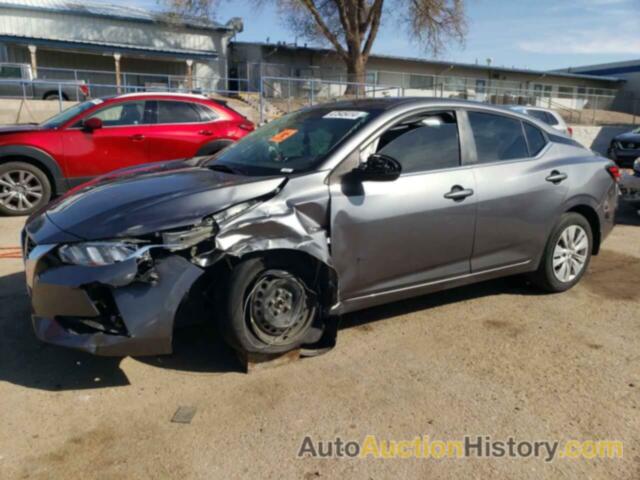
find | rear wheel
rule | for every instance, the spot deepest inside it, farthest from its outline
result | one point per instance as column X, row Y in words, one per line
column 24, row 188
column 271, row 306
column 54, row 96
column 567, row 254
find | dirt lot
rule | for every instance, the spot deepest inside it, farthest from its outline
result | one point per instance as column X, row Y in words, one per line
column 492, row 359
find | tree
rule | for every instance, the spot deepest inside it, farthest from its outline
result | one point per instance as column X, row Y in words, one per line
column 351, row 26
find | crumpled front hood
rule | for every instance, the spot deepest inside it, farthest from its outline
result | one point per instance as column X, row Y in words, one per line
column 142, row 200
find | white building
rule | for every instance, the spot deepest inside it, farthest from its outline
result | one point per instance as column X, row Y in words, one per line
column 417, row 77
column 628, row 97
column 54, row 35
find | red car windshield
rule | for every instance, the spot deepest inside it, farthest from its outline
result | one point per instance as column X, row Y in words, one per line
column 63, row 117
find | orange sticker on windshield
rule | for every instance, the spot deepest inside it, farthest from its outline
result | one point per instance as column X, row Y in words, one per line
column 283, row 135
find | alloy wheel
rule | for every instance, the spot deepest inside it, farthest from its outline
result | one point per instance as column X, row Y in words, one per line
column 20, row 190
column 570, row 253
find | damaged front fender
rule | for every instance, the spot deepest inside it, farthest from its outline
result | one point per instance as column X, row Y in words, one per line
column 290, row 220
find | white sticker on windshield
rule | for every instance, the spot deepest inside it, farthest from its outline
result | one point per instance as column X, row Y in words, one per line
column 97, row 101
column 346, row 114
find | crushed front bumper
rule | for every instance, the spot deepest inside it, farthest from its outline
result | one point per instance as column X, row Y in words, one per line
column 107, row 310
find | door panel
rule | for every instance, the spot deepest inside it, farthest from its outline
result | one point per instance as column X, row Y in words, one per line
column 170, row 142
column 516, row 203
column 88, row 154
column 121, row 142
column 182, row 128
column 388, row 235
column 516, row 208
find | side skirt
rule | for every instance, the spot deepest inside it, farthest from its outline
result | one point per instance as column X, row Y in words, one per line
column 359, row 303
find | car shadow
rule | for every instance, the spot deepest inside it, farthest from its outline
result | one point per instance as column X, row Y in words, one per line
column 26, row 361
column 517, row 285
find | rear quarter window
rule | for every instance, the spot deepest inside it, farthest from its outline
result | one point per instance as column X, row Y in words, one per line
column 535, row 138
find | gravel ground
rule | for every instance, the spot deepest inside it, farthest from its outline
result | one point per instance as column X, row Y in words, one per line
column 493, row 359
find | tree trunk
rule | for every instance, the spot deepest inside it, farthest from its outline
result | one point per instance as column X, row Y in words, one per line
column 356, row 73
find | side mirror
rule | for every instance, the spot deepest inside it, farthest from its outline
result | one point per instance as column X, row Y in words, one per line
column 91, row 124
column 378, row 168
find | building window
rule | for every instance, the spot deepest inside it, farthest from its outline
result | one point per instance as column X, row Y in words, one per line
column 420, row 81
column 566, row 92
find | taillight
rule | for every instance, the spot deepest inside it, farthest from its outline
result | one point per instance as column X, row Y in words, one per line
column 570, row 131
column 248, row 126
column 614, row 171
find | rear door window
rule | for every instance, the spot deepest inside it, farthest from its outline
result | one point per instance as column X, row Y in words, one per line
column 498, row 138
column 178, row 112
column 423, row 143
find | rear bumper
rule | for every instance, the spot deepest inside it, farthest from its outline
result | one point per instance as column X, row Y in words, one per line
column 107, row 310
column 607, row 211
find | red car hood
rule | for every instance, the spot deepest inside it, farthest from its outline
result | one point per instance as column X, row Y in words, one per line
column 29, row 127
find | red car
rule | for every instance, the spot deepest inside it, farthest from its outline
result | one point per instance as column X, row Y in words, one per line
column 101, row 135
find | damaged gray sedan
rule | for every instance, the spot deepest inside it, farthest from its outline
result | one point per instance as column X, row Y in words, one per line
column 325, row 211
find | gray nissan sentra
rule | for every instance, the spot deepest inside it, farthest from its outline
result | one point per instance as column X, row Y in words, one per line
column 324, row 211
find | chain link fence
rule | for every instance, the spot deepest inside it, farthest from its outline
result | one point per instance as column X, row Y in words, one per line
column 280, row 95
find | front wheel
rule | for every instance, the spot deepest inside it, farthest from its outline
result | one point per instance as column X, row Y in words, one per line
column 271, row 306
column 24, row 188
column 567, row 254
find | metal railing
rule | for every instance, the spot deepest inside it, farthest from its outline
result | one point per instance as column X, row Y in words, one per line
column 78, row 91
column 279, row 95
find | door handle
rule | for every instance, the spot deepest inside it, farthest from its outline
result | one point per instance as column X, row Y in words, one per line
column 137, row 137
column 458, row 193
column 556, row 177
column 205, row 132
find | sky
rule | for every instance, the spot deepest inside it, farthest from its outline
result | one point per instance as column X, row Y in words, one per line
column 542, row 35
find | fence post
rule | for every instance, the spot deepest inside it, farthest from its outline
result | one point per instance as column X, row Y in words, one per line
column 60, row 96
column 311, row 90
column 261, row 101
column 289, row 95
column 593, row 118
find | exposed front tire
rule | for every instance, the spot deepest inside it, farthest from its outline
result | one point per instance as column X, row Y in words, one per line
column 270, row 306
column 24, row 188
column 567, row 254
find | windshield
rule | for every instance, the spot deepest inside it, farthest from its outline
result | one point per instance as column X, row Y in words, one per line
column 295, row 143
column 63, row 117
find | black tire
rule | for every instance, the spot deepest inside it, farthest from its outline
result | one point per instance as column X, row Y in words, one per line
column 243, row 330
column 54, row 96
column 38, row 183
column 546, row 277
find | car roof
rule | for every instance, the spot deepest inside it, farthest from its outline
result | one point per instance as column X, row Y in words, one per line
column 519, row 108
column 193, row 96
